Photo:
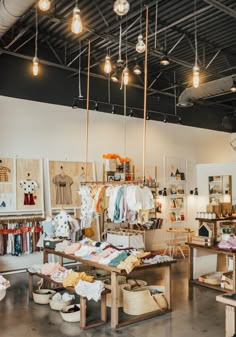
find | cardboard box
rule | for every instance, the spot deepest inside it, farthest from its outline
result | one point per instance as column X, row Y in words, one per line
column 214, row 209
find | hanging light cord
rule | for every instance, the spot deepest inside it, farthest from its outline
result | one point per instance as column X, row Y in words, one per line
column 79, row 74
column 175, row 94
column 125, row 109
column 140, row 23
column 87, row 114
column 155, row 34
column 195, row 32
column 145, row 99
column 36, row 32
column 120, row 42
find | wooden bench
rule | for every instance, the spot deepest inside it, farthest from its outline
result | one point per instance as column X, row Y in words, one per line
column 83, row 300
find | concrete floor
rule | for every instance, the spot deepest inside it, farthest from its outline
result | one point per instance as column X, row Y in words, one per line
column 195, row 313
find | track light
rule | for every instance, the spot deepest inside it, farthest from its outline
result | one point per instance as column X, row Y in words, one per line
column 107, row 65
column 165, row 60
column 140, row 46
column 113, row 109
column 44, row 5
column 114, row 77
column 233, row 88
column 191, row 192
column 76, row 25
column 121, row 7
column 95, row 106
column 75, row 103
column 165, row 119
column 179, row 120
column 126, row 76
column 130, row 113
column 137, row 70
column 196, row 191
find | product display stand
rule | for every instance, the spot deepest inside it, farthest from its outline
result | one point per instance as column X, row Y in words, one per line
column 115, row 272
column 230, row 314
column 209, row 250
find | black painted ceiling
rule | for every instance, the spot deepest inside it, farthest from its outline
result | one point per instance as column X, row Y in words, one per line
column 59, row 50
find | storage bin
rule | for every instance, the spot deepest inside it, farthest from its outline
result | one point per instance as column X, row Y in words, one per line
column 144, row 300
column 227, row 280
column 58, row 305
column 42, row 296
column 213, row 278
column 69, row 316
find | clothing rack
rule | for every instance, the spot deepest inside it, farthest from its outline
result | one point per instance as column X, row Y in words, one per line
column 21, row 219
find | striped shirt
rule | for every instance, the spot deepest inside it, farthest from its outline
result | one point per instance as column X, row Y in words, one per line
column 3, row 173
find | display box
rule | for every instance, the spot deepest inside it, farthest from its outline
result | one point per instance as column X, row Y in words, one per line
column 110, row 165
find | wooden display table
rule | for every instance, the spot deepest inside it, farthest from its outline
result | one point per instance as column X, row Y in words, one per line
column 230, row 314
column 115, row 272
column 210, row 250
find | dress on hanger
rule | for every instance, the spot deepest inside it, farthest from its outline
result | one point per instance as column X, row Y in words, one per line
column 63, row 189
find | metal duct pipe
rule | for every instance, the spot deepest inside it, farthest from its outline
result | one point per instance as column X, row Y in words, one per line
column 11, row 11
column 209, row 89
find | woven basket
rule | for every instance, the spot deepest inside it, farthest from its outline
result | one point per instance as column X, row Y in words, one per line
column 141, row 300
column 122, row 282
column 211, row 278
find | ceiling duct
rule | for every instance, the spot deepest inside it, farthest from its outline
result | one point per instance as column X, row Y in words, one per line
column 11, row 11
column 205, row 90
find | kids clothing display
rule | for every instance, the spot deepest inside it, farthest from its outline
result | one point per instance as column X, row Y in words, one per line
column 29, row 186
column 63, row 189
column 4, row 173
column 62, row 225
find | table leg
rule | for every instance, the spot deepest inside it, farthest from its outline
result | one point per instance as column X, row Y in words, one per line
column 229, row 321
column 114, row 300
column 167, row 284
column 234, row 272
column 190, row 270
column 30, row 286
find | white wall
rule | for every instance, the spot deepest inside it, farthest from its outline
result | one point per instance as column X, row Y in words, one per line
column 38, row 130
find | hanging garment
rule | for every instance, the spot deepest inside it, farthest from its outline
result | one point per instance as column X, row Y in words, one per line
column 3, row 173
column 63, row 189
column 62, row 226
column 29, row 186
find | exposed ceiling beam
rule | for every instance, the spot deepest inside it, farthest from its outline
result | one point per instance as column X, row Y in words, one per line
column 227, row 10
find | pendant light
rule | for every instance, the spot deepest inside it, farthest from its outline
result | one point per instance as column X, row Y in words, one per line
column 35, row 68
column 165, row 60
column 107, row 65
column 140, row 46
column 196, row 70
column 44, row 5
column 126, row 76
column 114, row 77
column 137, row 69
column 233, row 88
column 76, row 25
column 121, row 7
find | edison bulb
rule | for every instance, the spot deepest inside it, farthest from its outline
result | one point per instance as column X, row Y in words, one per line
column 35, row 66
column 76, row 25
column 126, row 76
column 196, row 76
column 121, row 7
column 44, row 5
column 140, row 46
column 107, row 66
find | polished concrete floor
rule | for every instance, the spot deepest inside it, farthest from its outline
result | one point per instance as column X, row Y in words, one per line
column 195, row 313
